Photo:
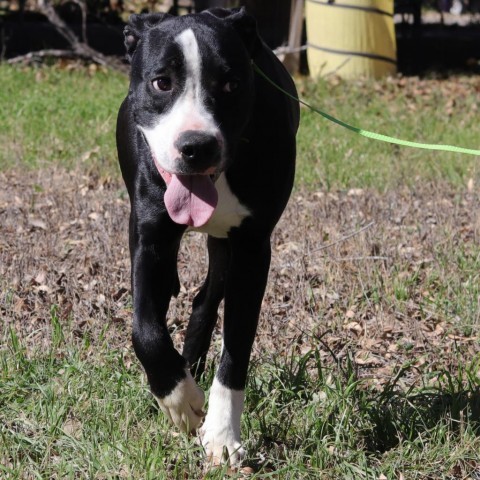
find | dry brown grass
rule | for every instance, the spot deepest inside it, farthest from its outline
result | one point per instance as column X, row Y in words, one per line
column 392, row 291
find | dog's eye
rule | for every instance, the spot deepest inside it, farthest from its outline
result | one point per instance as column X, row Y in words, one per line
column 230, row 87
column 162, row 84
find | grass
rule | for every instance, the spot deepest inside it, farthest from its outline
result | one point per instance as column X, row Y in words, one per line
column 410, row 109
column 43, row 111
column 60, row 115
column 70, row 412
column 71, row 416
column 73, row 400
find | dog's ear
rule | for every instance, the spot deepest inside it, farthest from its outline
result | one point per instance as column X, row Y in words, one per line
column 244, row 24
column 136, row 27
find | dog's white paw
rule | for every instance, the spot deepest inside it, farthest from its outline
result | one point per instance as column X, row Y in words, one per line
column 220, row 434
column 184, row 405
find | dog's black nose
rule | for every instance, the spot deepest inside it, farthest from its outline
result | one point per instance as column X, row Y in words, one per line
column 199, row 149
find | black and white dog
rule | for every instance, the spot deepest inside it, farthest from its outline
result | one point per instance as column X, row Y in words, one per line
column 205, row 144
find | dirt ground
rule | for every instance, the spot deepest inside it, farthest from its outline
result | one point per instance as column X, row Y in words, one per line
column 353, row 273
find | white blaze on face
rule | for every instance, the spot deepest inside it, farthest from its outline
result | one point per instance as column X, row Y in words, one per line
column 193, row 66
column 188, row 112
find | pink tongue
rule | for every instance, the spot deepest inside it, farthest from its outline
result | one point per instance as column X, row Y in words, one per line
column 191, row 199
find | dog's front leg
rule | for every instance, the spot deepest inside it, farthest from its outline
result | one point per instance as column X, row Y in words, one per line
column 154, row 276
column 245, row 286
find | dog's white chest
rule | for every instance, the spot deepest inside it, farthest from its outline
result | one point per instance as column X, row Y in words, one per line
column 228, row 213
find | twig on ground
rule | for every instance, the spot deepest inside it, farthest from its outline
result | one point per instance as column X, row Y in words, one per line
column 79, row 48
column 355, row 259
column 54, row 53
column 341, row 240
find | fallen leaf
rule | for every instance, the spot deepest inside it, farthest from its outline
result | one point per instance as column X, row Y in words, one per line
column 37, row 223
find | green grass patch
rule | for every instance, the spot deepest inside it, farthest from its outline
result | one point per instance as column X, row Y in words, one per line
column 77, row 410
column 331, row 157
column 62, row 116
column 67, row 116
column 74, row 410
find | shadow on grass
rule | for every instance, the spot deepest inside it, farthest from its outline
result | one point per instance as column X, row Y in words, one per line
column 407, row 417
column 301, row 405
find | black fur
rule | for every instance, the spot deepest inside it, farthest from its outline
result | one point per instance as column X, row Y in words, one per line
column 258, row 124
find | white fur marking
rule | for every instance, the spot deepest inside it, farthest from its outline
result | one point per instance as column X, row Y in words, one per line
column 222, row 425
column 188, row 112
column 183, row 407
column 189, row 45
column 228, row 213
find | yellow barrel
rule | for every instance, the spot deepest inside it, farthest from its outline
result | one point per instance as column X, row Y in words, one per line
column 351, row 38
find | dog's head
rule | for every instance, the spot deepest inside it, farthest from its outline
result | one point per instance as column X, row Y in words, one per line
column 191, row 86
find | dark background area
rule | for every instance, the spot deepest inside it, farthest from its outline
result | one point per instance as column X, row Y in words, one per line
column 423, row 44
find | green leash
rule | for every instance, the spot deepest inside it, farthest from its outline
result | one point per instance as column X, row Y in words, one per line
column 366, row 133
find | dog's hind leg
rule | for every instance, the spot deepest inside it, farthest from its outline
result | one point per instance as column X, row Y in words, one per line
column 205, row 306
